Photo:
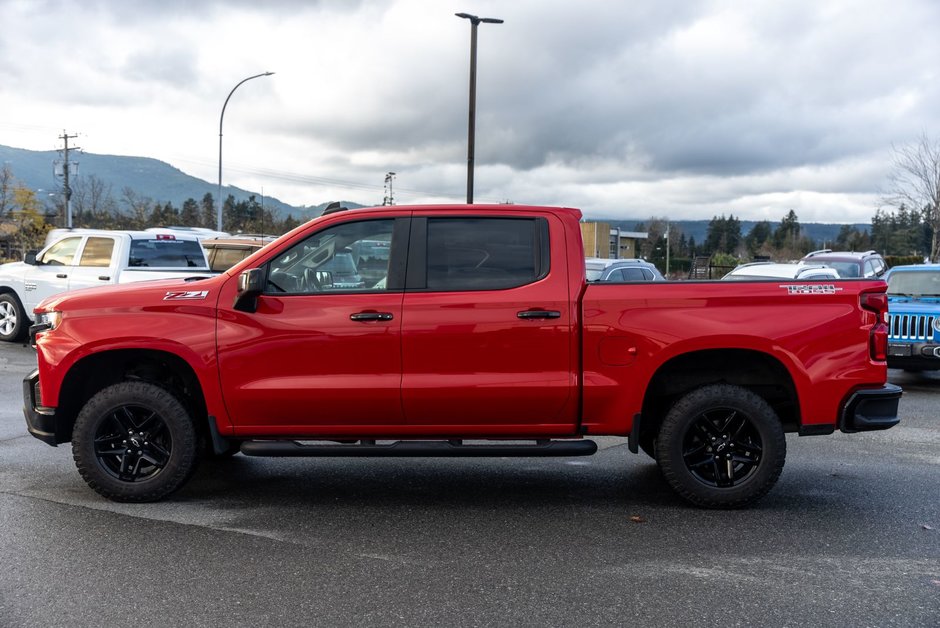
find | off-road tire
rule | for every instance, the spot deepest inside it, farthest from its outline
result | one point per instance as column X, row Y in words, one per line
column 134, row 442
column 721, row 446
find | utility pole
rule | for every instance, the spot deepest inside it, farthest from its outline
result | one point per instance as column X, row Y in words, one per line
column 66, row 189
column 389, row 196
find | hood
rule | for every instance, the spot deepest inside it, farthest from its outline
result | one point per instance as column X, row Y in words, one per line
column 913, row 306
column 137, row 294
column 906, row 299
column 13, row 268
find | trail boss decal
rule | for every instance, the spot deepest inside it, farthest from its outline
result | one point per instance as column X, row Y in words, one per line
column 810, row 288
column 185, row 295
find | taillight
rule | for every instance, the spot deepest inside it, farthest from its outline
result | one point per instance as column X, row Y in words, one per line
column 877, row 302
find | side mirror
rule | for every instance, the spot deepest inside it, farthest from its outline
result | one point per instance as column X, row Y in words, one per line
column 250, row 286
column 30, row 258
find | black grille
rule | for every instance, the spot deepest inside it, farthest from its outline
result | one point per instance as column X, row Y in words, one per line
column 911, row 326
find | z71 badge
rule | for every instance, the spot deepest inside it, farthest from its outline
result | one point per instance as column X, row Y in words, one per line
column 185, row 295
column 811, row 288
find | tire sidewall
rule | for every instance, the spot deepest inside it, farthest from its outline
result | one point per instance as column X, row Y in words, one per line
column 675, row 427
column 178, row 423
column 20, row 314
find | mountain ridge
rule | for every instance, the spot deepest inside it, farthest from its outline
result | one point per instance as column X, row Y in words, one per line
column 162, row 182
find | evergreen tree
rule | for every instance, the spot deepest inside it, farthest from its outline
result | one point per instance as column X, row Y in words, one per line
column 787, row 234
column 758, row 236
column 189, row 215
column 208, row 211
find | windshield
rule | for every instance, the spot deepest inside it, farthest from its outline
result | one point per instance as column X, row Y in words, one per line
column 846, row 270
column 915, row 284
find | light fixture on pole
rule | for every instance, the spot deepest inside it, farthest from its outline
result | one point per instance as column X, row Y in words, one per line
column 221, row 117
column 471, row 131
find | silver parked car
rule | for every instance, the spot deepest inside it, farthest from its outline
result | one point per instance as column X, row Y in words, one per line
column 770, row 270
column 621, row 270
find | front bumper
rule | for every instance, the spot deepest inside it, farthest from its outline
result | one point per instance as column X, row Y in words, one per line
column 871, row 409
column 40, row 421
column 913, row 355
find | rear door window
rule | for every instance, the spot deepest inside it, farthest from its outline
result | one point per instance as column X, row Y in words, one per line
column 485, row 253
column 97, row 252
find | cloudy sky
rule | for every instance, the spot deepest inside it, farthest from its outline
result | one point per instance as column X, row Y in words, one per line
column 682, row 109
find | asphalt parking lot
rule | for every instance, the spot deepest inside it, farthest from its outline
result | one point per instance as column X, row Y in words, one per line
column 850, row 536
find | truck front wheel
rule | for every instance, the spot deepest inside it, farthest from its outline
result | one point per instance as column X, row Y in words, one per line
column 721, row 446
column 134, row 442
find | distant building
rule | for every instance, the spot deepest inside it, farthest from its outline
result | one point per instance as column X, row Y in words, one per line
column 602, row 240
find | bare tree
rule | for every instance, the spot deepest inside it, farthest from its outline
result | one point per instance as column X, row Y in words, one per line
column 915, row 184
column 139, row 207
column 91, row 199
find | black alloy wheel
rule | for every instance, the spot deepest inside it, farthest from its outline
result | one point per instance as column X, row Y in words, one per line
column 721, row 446
column 134, row 442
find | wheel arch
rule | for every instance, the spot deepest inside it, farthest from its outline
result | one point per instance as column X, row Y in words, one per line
column 756, row 371
column 97, row 371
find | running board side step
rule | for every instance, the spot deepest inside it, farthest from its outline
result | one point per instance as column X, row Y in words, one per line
column 420, row 448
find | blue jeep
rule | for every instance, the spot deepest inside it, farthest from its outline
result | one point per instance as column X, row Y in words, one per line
column 914, row 317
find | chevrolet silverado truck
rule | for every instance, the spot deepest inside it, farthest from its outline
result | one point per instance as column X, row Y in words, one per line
column 471, row 332
column 82, row 258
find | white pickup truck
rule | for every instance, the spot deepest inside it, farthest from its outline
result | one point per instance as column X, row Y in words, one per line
column 86, row 258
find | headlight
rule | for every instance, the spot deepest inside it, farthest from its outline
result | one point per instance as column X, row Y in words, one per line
column 936, row 323
column 52, row 319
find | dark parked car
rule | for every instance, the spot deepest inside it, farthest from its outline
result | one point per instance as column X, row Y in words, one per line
column 850, row 264
column 621, row 270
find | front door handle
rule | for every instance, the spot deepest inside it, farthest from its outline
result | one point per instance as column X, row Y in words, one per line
column 529, row 314
column 62, row 276
column 371, row 316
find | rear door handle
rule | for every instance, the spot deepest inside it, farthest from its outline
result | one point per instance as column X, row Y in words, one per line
column 528, row 314
column 371, row 316
column 62, row 276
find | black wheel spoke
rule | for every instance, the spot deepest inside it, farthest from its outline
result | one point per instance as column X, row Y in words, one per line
column 727, row 422
column 722, row 448
column 151, row 423
column 124, row 419
column 157, row 457
column 133, row 443
column 706, row 428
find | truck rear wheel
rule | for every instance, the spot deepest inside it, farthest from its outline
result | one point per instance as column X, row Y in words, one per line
column 721, row 446
column 134, row 442
column 12, row 318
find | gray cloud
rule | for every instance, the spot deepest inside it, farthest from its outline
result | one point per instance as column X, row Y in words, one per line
column 676, row 106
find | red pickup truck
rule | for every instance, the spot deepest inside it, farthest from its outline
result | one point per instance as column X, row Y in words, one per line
column 452, row 331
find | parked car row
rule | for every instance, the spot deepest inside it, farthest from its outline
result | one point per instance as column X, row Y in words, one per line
column 84, row 258
column 79, row 258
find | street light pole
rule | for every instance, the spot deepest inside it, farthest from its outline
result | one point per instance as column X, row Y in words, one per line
column 471, row 128
column 221, row 117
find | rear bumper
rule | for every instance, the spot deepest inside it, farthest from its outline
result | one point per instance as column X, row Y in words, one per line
column 40, row 421
column 871, row 409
